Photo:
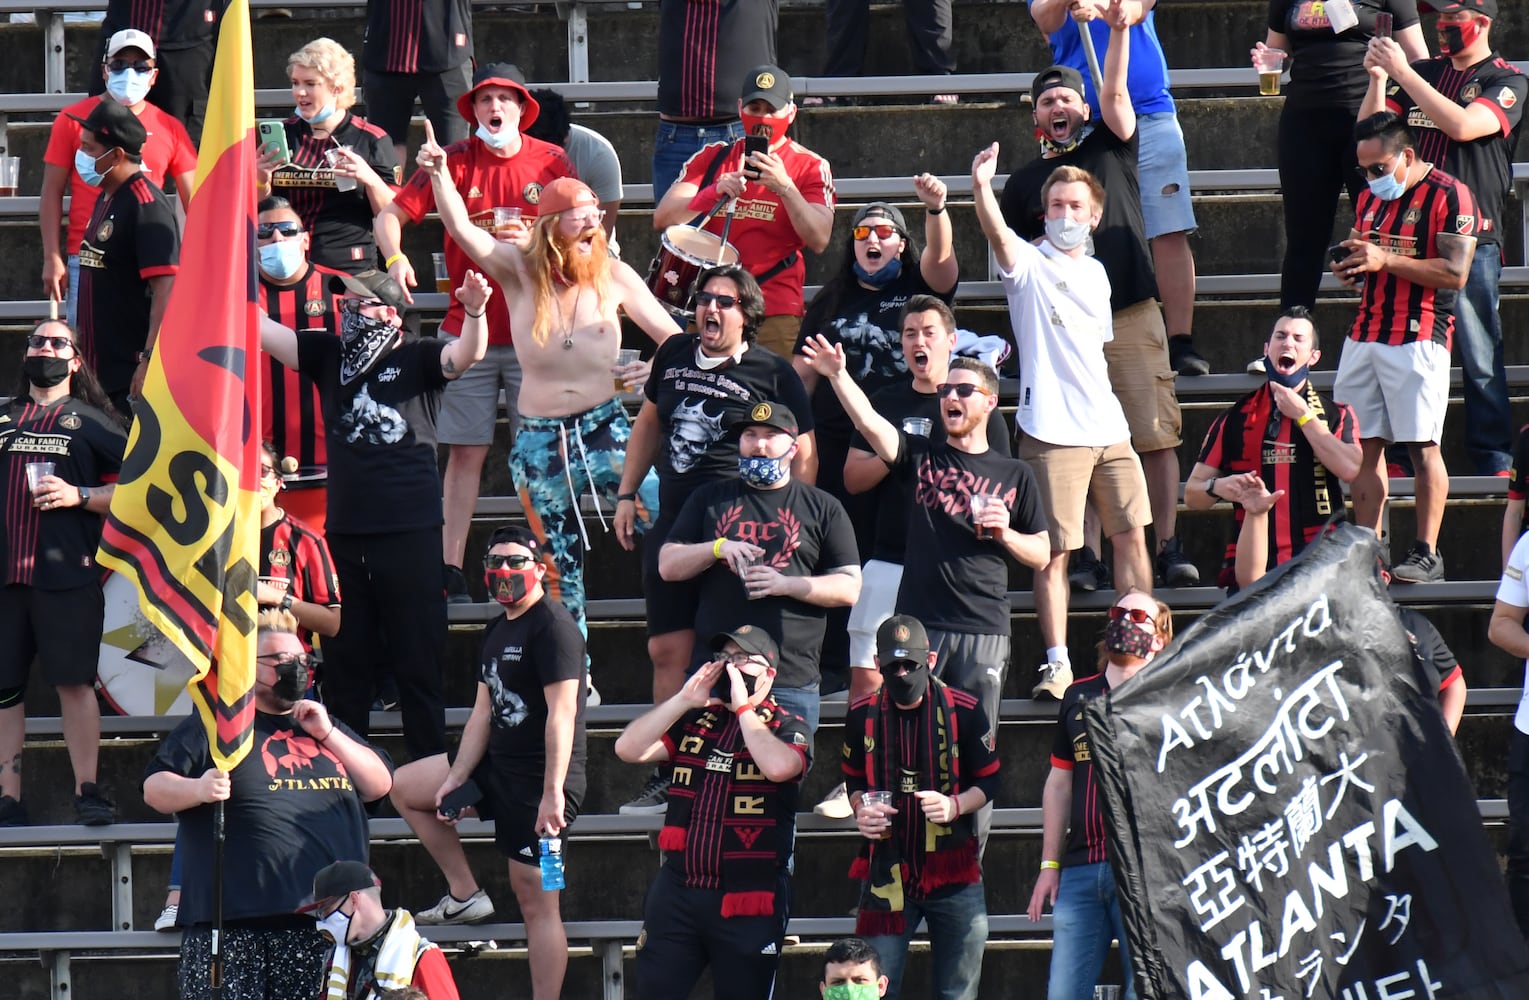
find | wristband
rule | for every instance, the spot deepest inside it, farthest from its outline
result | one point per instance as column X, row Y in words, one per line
column 145, row 355
column 1051, row 866
column 1304, row 420
column 387, row 265
column 935, row 211
column 328, row 734
column 743, row 709
column 626, row 496
column 716, row 548
column 955, row 800
column 473, row 314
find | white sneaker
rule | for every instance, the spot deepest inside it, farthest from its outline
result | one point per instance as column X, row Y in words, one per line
column 1256, row 366
column 166, row 919
column 835, row 804
column 449, row 910
column 592, row 700
column 1054, row 682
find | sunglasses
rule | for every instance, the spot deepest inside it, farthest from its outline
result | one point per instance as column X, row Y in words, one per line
column 264, row 230
column 1136, row 615
column 268, row 472
column 38, row 341
column 118, row 65
column 301, row 659
column 516, row 561
column 962, row 389
column 722, row 301
column 883, row 232
column 356, row 305
column 1376, row 171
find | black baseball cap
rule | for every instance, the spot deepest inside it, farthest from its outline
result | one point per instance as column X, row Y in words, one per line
column 339, row 879
column 901, row 639
column 770, row 83
column 502, row 75
column 114, row 126
column 371, row 284
column 752, row 640
column 1055, row 76
column 776, row 415
column 514, row 534
column 1486, row 8
column 882, row 210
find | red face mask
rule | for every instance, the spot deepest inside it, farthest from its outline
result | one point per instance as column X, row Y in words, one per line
column 771, row 126
column 1455, row 38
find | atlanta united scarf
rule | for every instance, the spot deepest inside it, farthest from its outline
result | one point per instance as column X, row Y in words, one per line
column 397, row 952
column 749, row 824
column 919, row 856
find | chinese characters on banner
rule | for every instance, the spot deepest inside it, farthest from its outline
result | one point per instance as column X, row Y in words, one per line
column 1289, row 818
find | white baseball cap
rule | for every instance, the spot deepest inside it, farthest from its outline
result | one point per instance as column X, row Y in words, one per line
column 130, row 38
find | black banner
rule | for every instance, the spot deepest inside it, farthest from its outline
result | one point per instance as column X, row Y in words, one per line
column 1288, row 815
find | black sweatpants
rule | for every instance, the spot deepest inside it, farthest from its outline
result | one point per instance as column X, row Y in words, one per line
column 1316, row 162
column 392, row 621
column 929, row 36
column 683, row 932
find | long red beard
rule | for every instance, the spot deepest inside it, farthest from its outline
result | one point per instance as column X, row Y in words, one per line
column 580, row 268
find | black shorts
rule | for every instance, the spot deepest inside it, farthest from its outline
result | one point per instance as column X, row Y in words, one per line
column 60, row 628
column 671, row 604
column 683, row 932
column 511, row 803
column 390, row 102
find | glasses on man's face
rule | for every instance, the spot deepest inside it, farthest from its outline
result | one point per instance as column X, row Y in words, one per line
column 739, row 660
column 1137, row 615
column 962, row 389
column 356, row 305
column 593, row 218
column 514, row 561
column 280, row 659
column 142, row 66
column 1376, row 171
column 883, row 232
column 289, row 229
column 38, row 341
column 269, row 472
column 710, row 298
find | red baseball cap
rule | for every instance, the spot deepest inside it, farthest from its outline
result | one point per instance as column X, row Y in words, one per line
column 563, row 194
column 500, row 75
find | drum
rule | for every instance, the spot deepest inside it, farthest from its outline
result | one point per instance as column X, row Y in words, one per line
column 140, row 671
column 683, row 253
column 305, row 495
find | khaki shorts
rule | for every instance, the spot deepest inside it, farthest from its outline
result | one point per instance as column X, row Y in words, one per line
column 1141, row 377
column 778, row 334
column 1070, row 476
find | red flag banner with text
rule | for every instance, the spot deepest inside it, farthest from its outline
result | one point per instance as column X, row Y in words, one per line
column 185, row 521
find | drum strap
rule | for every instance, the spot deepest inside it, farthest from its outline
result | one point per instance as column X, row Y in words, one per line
column 780, row 266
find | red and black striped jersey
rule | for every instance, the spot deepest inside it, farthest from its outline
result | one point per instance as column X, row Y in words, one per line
column 1395, row 311
column 705, row 47
column 292, row 551
column 1071, row 751
column 291, row 415
column 417, row 36
column 1252, row 435
column 339, row 223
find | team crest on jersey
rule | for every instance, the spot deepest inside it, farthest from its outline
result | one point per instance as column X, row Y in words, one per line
column 314, row 308
column 1465, row 224
column 70, row 422
column 1411, row 217
column 532, row 193
column 1470, row 93
column 279, row 557
column 104, row 233
column 1507, row 98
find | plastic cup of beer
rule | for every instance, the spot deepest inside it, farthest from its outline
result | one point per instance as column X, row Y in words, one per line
column 342, row 182
column 10, row 175
column 749, row 563
column 1108, row 992
column 979, row 504
column 917, row 426
column 881, row 801
column 625, row 356
column 507, row 221
column 1270, row 64
column 442, row 278
column 35, row 473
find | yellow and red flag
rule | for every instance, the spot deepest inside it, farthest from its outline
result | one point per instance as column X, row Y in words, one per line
column 185, row 520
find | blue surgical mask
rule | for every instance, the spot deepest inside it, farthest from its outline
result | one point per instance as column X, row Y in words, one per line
column 1387, row 188
column 890, row 272
column 503, row 139
column 282, row 259
column 128, row 87
column 85, row 166
column 1066, row 233
column 761, row 472
column 325, row 113
column 1291, row 381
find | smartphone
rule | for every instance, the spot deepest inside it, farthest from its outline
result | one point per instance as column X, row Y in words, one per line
column 468, row 794
column 1338, row 253
column 273, row 135
column 1383, row 25
column 754, row 144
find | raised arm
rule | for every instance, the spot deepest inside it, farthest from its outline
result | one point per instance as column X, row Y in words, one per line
column 1004, row 241
column 472, row 340
column 502, row 261
column 1114, row 98
column 938, row 264
column 828, row 361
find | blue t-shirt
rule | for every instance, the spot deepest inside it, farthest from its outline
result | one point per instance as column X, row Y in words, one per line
column 1146, row 74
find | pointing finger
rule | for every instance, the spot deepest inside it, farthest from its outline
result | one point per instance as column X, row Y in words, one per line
column 429, row 132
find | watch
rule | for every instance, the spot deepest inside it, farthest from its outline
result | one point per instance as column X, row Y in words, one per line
column 145, row 355
column 84, row 495
column 1210, row 487
column 286, row 601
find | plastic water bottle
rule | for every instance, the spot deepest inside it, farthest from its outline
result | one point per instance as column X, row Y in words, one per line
column 552, row 863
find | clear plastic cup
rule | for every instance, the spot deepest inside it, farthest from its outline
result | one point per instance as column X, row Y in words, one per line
column 342, row 182
column 918, row 426
column 10, row 175
column 507, row 221
column 1108, row 992
column 625, row 356
column 442, row 278
column 35, row 473
column 979, row 504
column 1270, row 64
column 880, row 801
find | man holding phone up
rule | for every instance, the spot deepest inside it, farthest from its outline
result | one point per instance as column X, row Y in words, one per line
column 782, row 201
column 521, row 759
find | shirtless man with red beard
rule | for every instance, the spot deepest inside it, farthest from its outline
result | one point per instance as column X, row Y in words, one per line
column 564, row 289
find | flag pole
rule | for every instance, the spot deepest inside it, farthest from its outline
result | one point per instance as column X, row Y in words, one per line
column 1093, row 61
column 215, row 964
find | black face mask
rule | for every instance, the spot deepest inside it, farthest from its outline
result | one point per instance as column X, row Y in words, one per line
column 45, row 372
column 291, row 681
column 909, row 688
column 723, row 689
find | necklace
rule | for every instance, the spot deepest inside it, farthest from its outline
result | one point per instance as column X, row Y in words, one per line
column 564, row 324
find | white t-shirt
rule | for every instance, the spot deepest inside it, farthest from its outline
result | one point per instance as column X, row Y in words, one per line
column 1514, row 590
column 1060, row 310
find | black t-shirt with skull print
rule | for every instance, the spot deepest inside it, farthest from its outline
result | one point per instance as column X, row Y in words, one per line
column 697, row 406
column 520, row 657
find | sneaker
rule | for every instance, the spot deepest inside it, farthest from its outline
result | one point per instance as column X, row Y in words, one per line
column 456, row 586
column 592, row 696
column 92, row 807
column 1422, row 565
column 1054, row 682
column 835, row 804
column 1174, row 568
column 1088, row 572
column 1184, row 359
column 166, row 919
column 12, row 812
column 450, row 910
column 1256, row 366
column 653, row 800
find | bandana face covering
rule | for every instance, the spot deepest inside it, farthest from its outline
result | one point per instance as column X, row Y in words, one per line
column 1049, row 145
column 1123, row 637
column 890, row 271
column 364, row 341
column 761, row 472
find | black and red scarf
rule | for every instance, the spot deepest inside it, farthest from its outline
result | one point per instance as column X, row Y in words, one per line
column 750, row 848
column 920, row 856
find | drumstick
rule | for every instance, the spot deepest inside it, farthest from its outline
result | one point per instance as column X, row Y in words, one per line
column 52, row 306
column 726, row 226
